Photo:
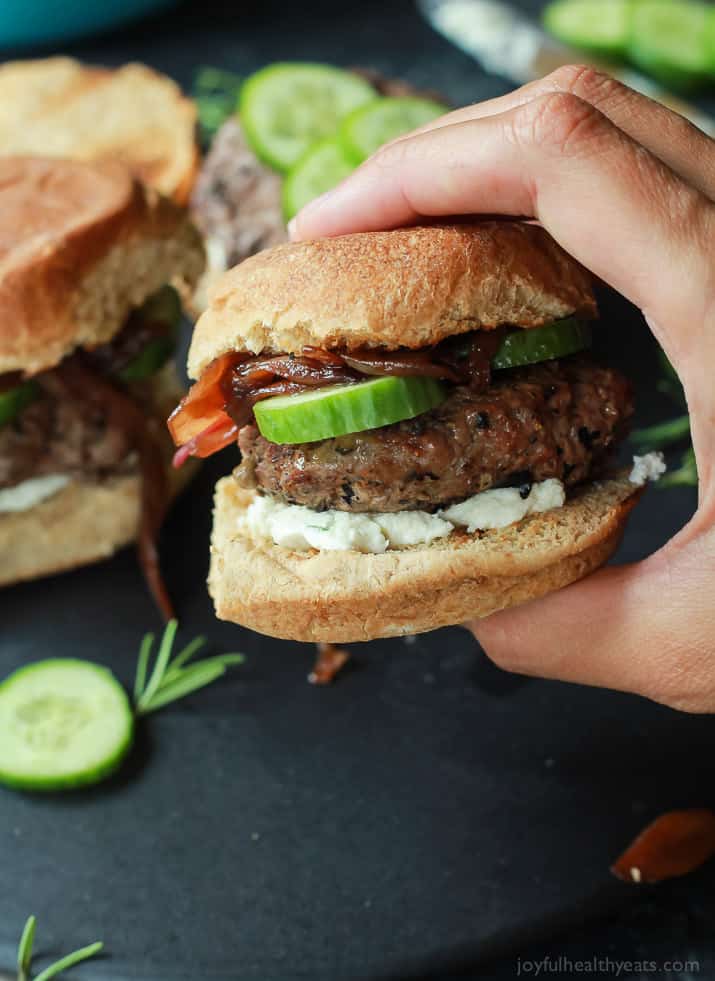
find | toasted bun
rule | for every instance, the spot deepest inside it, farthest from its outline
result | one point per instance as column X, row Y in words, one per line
column 86, row 521
column 410, row 287
column 57, row 107
column 344, row 597
column 80, row 246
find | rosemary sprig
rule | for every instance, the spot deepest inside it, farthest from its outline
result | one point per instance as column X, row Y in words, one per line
column 173, row 678
column 671, row 432
column 687, row 473
column 216, row 97
column 24, row 955
column 663, row 434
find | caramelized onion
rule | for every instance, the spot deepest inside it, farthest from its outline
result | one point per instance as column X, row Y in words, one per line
column 215, row 437
column 85, row 385
column 674, row 844
column 204, row 403
column 405, row 364
column 328, row 663
column 233, row 383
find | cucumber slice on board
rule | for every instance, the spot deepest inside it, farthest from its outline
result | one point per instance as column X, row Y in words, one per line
column 322, row 168
column 286, row 107
column 14, row 400
column 63, row 723
column 370, row 127
column 601, row 27
column 556, row 340
column 341, row 409
column 670, row 41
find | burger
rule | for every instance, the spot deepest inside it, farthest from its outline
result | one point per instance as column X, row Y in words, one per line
column 88, row 257
column 424, row 438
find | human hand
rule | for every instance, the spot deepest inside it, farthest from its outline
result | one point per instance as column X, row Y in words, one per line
column 628, row 188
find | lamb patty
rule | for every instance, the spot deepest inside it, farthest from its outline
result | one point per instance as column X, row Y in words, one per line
column 237, row 200
column 56, row 434
column 558, row 419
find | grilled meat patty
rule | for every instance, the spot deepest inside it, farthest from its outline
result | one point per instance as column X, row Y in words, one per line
column 58, row 435
column 558, row 419
column 237, row 200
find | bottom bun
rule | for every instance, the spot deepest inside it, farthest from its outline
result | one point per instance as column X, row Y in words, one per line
column 87, row 520
column 344, row 597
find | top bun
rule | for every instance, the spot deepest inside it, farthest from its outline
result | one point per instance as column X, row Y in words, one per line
column 80, row 246
column 58, row 107
column 411, row 287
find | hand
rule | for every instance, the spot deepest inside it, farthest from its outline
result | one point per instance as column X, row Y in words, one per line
column 627, row 187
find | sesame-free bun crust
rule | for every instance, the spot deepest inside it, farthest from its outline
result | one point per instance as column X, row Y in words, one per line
column 80, row 246
column 87, row 520
column 344, row 597
column 410, row 287
column 58, row 107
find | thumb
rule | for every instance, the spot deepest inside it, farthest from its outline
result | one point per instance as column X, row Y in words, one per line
column 647, row 628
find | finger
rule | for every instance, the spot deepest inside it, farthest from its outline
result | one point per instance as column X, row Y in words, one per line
column 608, row 631
column 611, row 204
column 669, row 136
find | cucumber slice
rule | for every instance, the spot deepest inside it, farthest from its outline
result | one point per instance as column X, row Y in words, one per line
column 368, row 128
column 14, row 400
column 322, row 168
column 669, row 40
column 63, row 723
column 555, row 340
column 342, row 409
column 601, row 27
column 286, row 107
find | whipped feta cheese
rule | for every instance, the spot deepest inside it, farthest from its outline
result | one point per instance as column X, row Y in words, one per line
column 301, row 528
column 503, row 506
column 26, row 495
column 649, row 467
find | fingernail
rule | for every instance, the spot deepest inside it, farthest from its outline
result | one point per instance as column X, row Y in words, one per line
column 292, row 229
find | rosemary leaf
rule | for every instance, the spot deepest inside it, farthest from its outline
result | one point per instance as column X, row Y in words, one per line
column 142, row 664
column 69, row 961
column 183, row 656
column 209, row 79
column 160, row 665
column 189, row 681
column 663, row 434
column 24, row 951
column 216, row 96
column 685, row 476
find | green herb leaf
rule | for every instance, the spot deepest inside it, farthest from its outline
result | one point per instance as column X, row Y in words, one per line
column 142, row 665
column 24, row 955
column 673, row 431
column 184, row 685
column 685, row 476
column 663, row 434
column 69, row 961
column 172, row 679
column 188, row 652
column 216, row 95
column 160, row 665
column 24, row 951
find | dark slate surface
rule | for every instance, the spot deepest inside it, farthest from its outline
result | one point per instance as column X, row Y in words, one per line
column 427, row 816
